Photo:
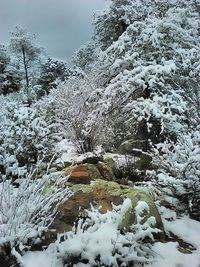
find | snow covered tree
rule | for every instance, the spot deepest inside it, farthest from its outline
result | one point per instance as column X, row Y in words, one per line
column 52, row 70
column 86, row 55
column 4, row 58
column 9, row 74
column 23, row 47
column 152, row 66
column 112, row 22
column 10, row 80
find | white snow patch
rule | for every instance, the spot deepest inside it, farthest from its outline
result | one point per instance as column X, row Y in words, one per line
column 187, row 229
column 67, row 150
column 43, row 259
column 69, row 154
column 168, row 254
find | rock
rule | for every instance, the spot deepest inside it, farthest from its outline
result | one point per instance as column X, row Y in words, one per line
column 85, row 173
column 101, row 193
column 94, row 172
column 78, row 174
column 106, row 171
column 110, row 162
column 93, row 160
column 126, row 148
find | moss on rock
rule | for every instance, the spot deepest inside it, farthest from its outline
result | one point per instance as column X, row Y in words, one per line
column 106, row 171
column 110, row 162
column 102, row 194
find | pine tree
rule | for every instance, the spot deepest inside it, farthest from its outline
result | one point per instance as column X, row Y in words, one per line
column 27, row 52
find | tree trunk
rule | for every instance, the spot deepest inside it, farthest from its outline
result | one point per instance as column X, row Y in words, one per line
column 25, row 68
column 26, row 75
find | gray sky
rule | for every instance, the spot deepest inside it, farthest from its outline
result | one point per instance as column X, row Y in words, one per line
column 61, row 26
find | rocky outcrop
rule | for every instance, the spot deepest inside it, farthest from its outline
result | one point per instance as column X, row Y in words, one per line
column 101, row 194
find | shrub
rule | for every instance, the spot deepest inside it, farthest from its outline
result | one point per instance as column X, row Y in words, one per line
column 98, row 241
column 27, row 211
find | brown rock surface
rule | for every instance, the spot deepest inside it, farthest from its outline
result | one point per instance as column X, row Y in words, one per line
column 78, row 174
column 84, row 173
column 101, row 194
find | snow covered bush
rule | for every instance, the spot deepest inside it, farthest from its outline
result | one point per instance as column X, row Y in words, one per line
column 74, row 103
column 178, row 170
column 25, row 138
column 27, row 211
column 97, row 240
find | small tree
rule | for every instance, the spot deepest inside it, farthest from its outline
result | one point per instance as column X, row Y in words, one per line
column 75, row 104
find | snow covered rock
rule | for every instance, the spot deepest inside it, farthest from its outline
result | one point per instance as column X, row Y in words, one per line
column 102, row 195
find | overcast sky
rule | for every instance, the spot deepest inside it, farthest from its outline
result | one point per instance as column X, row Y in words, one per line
column 61, row 26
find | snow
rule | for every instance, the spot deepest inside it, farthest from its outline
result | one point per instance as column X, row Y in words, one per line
column 69, row 153
column 169, row 256
column 97, row 236
column 98, row 241
column 40, row 259
column 185, row 228
column 167, row 253
column 67, row 150
column 121, row 160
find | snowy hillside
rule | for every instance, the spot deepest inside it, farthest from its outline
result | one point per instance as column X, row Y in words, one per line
column 100, row 156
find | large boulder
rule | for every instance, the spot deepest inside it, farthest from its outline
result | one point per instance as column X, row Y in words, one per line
column 102, row 194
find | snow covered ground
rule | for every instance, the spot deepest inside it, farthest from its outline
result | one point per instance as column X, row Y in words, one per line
column 167, row 254
column 43, row 259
